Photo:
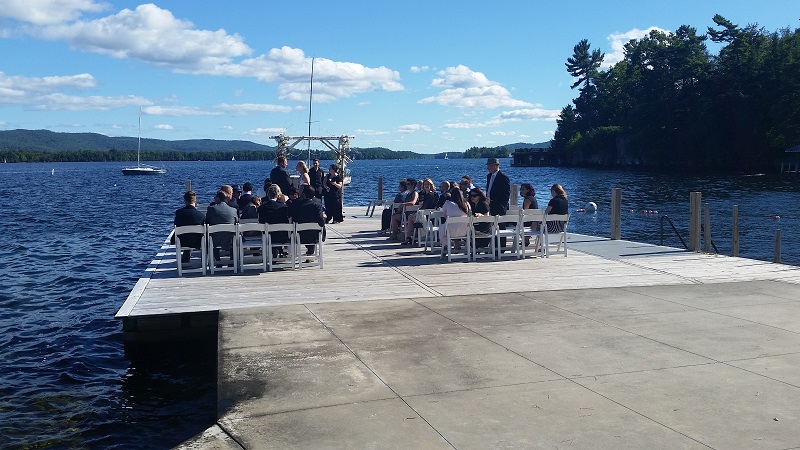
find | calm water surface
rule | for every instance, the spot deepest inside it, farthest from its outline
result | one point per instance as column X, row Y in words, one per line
column 77, row 240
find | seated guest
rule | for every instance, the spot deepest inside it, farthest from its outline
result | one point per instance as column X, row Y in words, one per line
column 427, row 200
column 557, row 205
column 228, row 189
column 480, row 207
column 274, row 212
column 307, row 209
column 291, row 196
column 528, row 194
column 221, row 213
column 247, row 194
column 410, row 198
column 444, row 188
column 189, row 215
column 263, row 192
column 386, row 215
column 466, row 186
column 455, row 206
column 250, row 210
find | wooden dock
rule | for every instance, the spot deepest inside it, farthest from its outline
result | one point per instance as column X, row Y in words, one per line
column 360, row 264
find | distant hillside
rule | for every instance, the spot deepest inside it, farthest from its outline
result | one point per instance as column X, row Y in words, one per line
column 45, row 145
column 518, row 145
column 49, row 141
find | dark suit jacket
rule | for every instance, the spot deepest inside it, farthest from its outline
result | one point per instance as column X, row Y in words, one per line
column 244, row 200
column 500, row 194
column 307, row 210
column 280, row 176
column 274, row 212
column 189, row 215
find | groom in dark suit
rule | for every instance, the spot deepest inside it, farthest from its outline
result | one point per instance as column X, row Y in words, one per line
column 498, row 191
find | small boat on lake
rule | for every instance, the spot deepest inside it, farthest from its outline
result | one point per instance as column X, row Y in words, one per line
column 142, row 169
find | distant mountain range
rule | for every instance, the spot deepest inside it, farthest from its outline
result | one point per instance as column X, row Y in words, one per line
column 50, row 142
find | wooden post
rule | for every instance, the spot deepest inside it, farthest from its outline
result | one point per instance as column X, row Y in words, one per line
column 616, row 213
column 778, row 245
column 695, row 218
column 188, row 185
column 707, row 229
column 735, row 232
column 514, row 195
column 380, row 189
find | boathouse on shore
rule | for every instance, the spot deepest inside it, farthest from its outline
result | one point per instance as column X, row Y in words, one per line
column 540, row 154
column 791, row 162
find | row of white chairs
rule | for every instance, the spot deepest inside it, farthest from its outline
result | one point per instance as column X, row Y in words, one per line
column 252, row 247
column 509, row 227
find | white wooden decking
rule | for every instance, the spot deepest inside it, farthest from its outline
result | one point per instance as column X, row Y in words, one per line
column 361, row 264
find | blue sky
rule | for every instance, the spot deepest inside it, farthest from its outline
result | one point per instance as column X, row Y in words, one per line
column 425, row 76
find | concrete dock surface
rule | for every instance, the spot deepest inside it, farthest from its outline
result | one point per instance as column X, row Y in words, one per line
column 681, row 351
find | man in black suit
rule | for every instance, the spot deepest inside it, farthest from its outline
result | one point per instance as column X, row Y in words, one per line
column 274, row 212
column 317, row 176
column 307, row 209
column 280, row 176
column 498, row 191
column 189, row 215
column 244, row 199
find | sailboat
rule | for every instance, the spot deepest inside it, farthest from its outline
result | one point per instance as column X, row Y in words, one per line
column 142, row 169
column 445, row 156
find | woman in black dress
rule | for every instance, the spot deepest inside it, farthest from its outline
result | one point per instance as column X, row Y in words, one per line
column 333, row 195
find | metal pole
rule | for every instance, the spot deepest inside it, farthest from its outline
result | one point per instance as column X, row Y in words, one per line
column 188, row 185
column 380, row 189
column 695, row 219
column 707, row 226
column 735, row 232
column 778, row 245
column 616, row 213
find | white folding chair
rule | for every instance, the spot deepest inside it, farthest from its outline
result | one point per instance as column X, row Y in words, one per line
column 275, row 240
column 304, row 259
column 180, row 248
column 252, row 240
column 556, row 225
column 420, row 225
column 534, row 231
column 508, row 227
column 218, row 236
column 484, row 251
column 457, row 229
column 407, row 211
column 432, row 230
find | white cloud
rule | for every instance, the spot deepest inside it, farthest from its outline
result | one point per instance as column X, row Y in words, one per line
column 250, row 108
column 53, row 102
column 227, row 127
column 464, row 88
column 263, row 131
column 418, row 69
column 519, row 115
column 530, row 114
column 46, row 84
column 618, row 41
column 150, row 34
column 44, row 12
column 164, row 126
column 178, row 111
column 363, row 132
column 503, row 133
column 413, row 127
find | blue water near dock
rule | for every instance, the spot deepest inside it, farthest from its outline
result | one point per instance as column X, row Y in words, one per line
column 77, row 240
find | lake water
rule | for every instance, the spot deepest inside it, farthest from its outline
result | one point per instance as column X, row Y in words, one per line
column 78, row 237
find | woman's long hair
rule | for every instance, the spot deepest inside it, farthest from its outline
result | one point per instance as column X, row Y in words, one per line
column 558, row 190
column 479, row 193
column 457, row 198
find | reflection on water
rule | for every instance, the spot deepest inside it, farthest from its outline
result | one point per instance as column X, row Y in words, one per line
column 77, row 240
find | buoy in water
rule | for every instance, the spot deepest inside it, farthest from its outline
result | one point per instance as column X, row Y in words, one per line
column 776, row 217
column 591, row 207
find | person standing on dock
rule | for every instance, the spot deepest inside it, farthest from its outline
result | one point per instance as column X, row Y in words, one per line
column 333, row 194
column 498, row 191
column 280, row 176
column 317, row 176
column 189, row 215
